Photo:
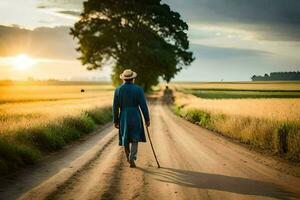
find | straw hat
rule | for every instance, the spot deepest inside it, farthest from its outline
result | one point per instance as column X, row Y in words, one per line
column 128, row 74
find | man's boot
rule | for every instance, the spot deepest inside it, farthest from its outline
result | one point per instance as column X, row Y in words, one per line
column 132, row 164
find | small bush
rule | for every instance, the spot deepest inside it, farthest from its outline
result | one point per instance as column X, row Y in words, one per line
column 14, row 155
column 199, row 117
column 83, row 123
column 44, row 138
column 8, row 153
column 69, row 133
column 177, row 110
column 100, row 116
column 29, row 155
column 54, row 139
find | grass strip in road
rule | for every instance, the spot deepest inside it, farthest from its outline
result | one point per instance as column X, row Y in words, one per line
column 26, row 146
column 279, row 137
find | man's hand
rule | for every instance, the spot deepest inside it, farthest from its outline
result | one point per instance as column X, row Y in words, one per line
column 147, row 123
column 117, row 125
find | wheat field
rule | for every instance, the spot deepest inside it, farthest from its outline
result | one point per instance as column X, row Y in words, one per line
column 267, row 123
column 273, row 109
column 287, row 85
column 283, row 109
column 38, row 118
column 27, row 106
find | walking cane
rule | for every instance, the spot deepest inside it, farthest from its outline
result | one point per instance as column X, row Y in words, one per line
column 152, row 148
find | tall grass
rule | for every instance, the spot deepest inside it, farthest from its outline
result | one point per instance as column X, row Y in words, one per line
column 267, row 124
column 281, row 138
column 19, row 147
column 270, row 109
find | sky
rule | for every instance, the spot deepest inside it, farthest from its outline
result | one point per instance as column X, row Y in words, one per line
column 231, row 39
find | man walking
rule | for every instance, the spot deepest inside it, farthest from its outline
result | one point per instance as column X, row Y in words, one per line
column 129, row 99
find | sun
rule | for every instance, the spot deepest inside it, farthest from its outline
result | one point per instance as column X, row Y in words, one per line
column 22, row 62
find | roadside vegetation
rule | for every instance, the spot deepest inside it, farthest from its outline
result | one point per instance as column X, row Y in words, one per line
column 269, row 124
column 26, row 146
column 32, row 128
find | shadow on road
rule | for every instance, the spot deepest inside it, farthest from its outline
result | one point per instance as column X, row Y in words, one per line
column 219, row 182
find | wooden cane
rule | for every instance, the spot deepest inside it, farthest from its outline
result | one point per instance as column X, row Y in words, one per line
column 152, row 147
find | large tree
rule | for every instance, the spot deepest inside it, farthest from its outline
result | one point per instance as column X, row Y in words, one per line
column 143, row 35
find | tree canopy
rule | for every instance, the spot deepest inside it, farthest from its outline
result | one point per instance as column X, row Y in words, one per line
column 143, row 35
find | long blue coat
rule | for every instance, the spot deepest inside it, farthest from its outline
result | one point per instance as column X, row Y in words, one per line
column 129, row 99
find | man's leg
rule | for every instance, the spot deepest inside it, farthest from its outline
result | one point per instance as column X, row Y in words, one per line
column 133, row 153
column 127, row 151
column 133, row 150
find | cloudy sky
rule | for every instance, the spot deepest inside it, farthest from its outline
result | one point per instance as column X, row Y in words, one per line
column 231, row 39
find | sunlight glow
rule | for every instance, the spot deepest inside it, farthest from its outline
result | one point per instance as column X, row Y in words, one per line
column 22, row 62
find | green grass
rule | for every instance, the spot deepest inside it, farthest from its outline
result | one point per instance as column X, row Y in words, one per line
column 27, row 146
column 280, row 138
column 215, row 93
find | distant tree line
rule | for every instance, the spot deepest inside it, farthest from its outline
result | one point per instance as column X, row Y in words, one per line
column 278, row 76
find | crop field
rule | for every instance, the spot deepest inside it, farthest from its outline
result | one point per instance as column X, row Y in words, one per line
column 238, row 94
column 266, row 85
column 270, row 109
column 242, row 90
column 264, row 121
column 25, row 106
column 40, row 117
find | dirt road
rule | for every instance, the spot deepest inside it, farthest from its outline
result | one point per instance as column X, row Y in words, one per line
column 196, row 164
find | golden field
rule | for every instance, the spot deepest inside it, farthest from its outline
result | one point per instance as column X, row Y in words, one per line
column 283, row 109
column 30, row 105
column 272, row 124
column 272, row 109
column 288, row 85
column 37, row 118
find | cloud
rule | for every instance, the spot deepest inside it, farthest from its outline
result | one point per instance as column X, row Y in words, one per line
column 63, row 8
column 42, row 42
column 70, row 12
column 270, row 19
column 220, row 53
column 273, row 20
column 68, row 4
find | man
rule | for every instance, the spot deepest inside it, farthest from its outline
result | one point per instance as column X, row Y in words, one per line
column 129, row 99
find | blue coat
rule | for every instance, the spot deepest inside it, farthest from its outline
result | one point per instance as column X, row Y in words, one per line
column 129, row 99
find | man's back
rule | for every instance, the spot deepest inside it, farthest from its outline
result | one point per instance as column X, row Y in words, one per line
column 128, row 100
column 129, row 95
